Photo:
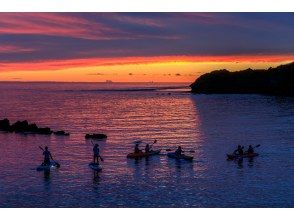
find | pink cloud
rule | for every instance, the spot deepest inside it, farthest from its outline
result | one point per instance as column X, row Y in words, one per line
column 70, row 25
column 14, row 49
column 137, row 20
column 53, row 24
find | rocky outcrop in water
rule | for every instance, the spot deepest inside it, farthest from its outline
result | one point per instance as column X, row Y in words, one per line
column 95, row 136
column 26, row 128
column 273, row 81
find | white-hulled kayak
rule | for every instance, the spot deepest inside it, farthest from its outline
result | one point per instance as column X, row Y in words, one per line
column 52, row 165
column 95, row 166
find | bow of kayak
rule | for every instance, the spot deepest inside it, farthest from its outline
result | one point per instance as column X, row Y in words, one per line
column 180, row 157
column 142, row 154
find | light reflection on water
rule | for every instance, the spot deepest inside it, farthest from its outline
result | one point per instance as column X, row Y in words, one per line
column 210, row 125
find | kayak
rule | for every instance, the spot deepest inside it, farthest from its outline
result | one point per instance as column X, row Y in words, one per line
column 52, row 165
column 236, row 156
column 95, row 166
column 180, row 157
column 143, row 154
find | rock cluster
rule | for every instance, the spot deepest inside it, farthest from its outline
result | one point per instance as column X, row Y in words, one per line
column 26, row 128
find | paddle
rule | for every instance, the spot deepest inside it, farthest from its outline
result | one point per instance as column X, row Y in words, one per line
column 99, row 154
column 151, row 145
column 57, row 164
column 155, row 141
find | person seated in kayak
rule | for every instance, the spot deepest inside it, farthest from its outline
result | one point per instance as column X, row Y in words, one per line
column 179, row 151
column 96, row 152
column 47, row 156
column 250, row 150
column 239, row 150
column 137, row 150
column 147, row 148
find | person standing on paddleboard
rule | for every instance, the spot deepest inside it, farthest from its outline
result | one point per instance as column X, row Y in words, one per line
column 96, row 152
column 47, row 156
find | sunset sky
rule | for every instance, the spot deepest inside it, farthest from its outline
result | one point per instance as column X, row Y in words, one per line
column 140, row 47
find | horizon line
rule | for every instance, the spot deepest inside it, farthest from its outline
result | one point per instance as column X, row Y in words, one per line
column 28, row 81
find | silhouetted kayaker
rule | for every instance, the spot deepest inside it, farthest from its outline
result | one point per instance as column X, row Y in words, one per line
column 96, row 152
column 239, row 150
column 47, row 156
column 137, row 150
column 179, row 151
column 250, row 150
column 147, row 148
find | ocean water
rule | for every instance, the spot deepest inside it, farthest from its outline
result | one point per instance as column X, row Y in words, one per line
column 211, row 125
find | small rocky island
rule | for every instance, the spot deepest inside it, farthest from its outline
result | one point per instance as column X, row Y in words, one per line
column 24, row 127
column 273, row 81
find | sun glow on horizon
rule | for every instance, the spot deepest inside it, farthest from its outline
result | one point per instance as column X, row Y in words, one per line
column 134, row 69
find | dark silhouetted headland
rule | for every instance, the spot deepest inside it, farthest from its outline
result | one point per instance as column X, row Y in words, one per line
column 273, row 81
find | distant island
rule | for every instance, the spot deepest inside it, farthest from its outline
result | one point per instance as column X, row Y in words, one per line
column 273, row 81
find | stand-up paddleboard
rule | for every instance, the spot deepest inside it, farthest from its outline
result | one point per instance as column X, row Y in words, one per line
column 95, row 166
column 52, row 165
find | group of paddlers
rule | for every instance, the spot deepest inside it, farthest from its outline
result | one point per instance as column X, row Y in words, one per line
column 240, row 151
column 47, row 155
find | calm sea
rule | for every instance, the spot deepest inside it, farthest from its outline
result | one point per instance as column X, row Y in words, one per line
column 212, row 125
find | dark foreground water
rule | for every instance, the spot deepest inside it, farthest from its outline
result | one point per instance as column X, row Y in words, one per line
column 209, row 124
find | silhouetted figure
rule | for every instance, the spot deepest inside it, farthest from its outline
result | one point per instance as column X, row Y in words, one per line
column 147, row 148
column 250, row 150
column 96, row 152
column 239, row 150
column 47, row 156
column 137, row 150
column 179, row 151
